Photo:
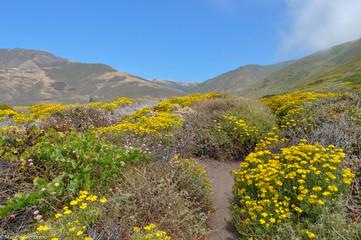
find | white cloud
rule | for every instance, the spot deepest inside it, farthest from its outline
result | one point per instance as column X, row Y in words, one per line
column 319, row 24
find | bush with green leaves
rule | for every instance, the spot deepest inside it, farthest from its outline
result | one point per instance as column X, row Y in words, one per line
column 66, row 162
column 213, row 129
column 4, row 106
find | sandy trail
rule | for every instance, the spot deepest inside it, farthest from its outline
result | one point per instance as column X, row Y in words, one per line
column 221, row 181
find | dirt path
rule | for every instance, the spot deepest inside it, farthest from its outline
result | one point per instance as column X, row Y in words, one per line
column 221, row 181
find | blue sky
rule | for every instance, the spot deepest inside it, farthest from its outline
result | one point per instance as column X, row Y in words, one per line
column 185, row 40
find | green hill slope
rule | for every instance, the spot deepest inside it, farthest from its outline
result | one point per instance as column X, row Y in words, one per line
column 234, row 81
column 349, row 73
column 305, row 70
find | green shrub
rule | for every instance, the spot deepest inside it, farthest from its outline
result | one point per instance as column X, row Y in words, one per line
column 209, row 132
column 174, row 195
column 4, row 106
column 66, row 163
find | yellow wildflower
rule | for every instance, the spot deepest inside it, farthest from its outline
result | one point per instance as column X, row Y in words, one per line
column 310, row 234
column 67, row 211
column 83, row 205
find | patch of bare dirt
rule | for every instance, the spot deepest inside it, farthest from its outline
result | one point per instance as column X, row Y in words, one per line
column 221, row 182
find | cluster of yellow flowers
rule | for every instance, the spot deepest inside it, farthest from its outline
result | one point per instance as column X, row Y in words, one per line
column 272, row 187
column 165, row 106
column 138, row 114
column 115, row 104
column 6, row 112
column 8, row 129
column 151, row 233
column 43, row 110
column 46, row 228
column 187, row 100
column 290, row 113
column 268, row 141
column 23, row 115
column 281, row 104
column 239, row 126
column 76, row 228
column 195, row 169
column 157, row 124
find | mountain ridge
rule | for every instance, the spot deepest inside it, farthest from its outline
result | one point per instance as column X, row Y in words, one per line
column 305, row 70
column 183, row 86
column 232, row 82
column 30, row 76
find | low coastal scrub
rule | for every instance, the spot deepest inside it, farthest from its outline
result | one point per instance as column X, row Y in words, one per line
column 223, row 129
column 83, row 172
column 128, row 170
column 301, row 182
column 291, row 187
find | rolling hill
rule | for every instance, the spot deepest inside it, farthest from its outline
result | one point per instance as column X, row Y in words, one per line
column 233, row 82
column 349, row 73
column 305, row 70
column 183, row 86
column 34, row 76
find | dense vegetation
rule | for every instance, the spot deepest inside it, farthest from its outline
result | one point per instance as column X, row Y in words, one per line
column 127, row 169
column 296, row 185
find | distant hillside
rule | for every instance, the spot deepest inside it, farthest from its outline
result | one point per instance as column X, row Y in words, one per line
column 234, row 81
column 305, row 70
column 183, row 86
column 34, row 76
column 348, row 73
column 27, row 58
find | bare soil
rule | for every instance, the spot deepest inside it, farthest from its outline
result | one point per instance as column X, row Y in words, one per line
column 222, row 180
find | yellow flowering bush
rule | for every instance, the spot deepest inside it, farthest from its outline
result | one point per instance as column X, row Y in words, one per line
column 289, row 186
column 195, row 169
column 168, row 105
column 94, row 104
column 149, row 232
column 22, row 115
column 289, row 111
column 165, row 106
column 138, row 114
column 269, row 141
column 75, row 219
column 157, row 124
column 239, row 127
column 6, row 112
column 42, row 110
column 187, row 100
column 115, row 104
column 282, row 104
column 8, row 129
